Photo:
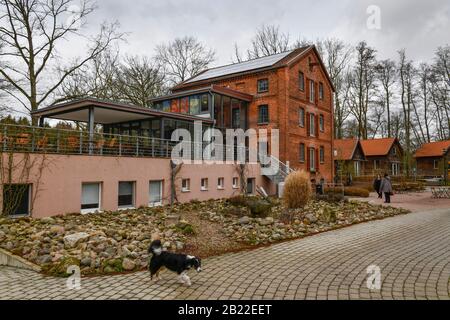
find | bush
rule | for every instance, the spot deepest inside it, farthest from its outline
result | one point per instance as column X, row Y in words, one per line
column 238, row 201
column 259, row 207
column 350, row 192
column 297, row 190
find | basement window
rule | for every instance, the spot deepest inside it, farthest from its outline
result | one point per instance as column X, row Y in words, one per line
column 204, row 185
column 90, row 197
column 221, row 183
column 16, row 199
column 126, row 195
column 186, row 185
column 155, row 193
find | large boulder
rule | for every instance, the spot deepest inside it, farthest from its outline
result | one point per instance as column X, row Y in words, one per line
column 72, row 240
column 128, row 264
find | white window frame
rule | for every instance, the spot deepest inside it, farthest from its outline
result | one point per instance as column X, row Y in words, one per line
column 312, row 92
column 188, row 186
column 357, row 166
column 204, row 186
column 160, row 203
column 133, row 198
column 312, row 159
column 375, row 164
column 312, row 125
column 93, row 210
column 436, row 164
column 221, row 183
column 301, row 117
column 235, row 183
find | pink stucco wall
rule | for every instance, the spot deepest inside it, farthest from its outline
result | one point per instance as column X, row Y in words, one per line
column 57, row 187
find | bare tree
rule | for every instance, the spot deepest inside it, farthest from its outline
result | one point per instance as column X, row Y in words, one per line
column 267, row 41
column 183, row 58
column 386, row 75
column 32, row 31
column 96, row 79
column 405, row 74
column 440, row 91
column 362, row 83
column 139, row 80
column 337, row 57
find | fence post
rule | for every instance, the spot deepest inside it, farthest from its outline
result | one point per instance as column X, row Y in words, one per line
column 81, row 142
column 137, row 146
column 120, row 145
column 5, row 137
column 153, row 147
column 33, row 133
column 58, row 137
column 167, row 149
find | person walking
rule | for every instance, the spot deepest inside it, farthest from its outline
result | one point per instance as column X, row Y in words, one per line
column 386, row 188
column 377, row 185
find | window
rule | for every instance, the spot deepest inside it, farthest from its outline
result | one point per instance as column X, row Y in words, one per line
column 436, row 164
column 16, row 199
column 312, row 125
column 394, row 151
column 312, row 97
column 263, row 114
column 235, row 183
column 204, row 186
column 322, row 154
column 301, row 81
column 301, row 117
column 312, row 159
column 236, row 118
column 90, row 197
column 263, row 85
column 221, row 183
column 126, row 194
column 186, row 185
column 376, row 164
column 205, row 103
column 155, row 193
column 320, row 90
column 302, row 152
column 194, row 105
column 321, row 123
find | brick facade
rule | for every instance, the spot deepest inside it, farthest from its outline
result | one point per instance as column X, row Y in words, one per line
column 284, row 99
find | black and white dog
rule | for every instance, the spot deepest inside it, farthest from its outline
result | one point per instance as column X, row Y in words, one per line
column 178, row 263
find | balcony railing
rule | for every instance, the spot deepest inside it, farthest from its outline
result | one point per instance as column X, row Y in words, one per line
column 26, row 139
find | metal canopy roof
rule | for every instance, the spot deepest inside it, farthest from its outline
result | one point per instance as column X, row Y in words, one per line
column 107, row 112
column 240, row 67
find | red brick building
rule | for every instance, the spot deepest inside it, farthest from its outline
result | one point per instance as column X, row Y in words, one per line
column 290, row 91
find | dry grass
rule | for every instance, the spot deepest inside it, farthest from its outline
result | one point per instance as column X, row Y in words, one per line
column 297, row 190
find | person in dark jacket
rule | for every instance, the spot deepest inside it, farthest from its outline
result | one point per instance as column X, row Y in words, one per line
column 386, row 188
column 377, row 185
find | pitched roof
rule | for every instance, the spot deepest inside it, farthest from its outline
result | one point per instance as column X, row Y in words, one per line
column 252, row 66
column 377, row 147
column 240, row 67
column 345, row 148
column 434, row 149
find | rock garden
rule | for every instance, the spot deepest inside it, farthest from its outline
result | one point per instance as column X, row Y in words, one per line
column 116, row 242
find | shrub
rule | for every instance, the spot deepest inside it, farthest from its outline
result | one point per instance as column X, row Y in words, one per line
column 238, row 201
column 259, row 207
column 297, row 190
column 350, row 192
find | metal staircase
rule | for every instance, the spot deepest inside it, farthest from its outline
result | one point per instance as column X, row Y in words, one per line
column 283, row 170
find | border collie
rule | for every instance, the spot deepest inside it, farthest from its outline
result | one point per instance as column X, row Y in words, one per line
column 178, row 263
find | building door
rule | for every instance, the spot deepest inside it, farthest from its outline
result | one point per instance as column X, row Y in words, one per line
column 250, row 186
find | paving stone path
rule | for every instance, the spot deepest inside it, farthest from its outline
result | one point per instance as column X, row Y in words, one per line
column 412, row 252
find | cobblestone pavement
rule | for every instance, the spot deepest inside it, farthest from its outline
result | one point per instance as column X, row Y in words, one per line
column 412, row 252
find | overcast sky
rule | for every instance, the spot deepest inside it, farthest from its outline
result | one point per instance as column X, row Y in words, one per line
column 418, row 26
